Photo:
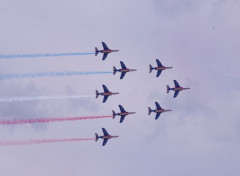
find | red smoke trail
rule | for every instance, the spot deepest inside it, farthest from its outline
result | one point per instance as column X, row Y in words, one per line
column 46, row 120
column 42, row 141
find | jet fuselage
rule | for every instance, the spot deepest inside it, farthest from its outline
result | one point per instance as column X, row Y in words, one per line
column 108, row 93
column 178, row 88
column 126, row 70
column 162, row 68
column 161, row 110
column 125, row 113
column 108, row 137
column 108, row 51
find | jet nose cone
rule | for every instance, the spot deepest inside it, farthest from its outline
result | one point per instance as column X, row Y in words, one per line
column 131, row 112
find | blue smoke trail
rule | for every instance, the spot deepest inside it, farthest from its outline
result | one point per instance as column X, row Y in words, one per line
column 46, row 74
column 14, row 56
column 31, row 98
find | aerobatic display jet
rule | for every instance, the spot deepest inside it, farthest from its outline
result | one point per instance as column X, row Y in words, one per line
column 105, row 51
column 159, row 68
column 105, row 136
column 123, row 113
column 158, row 111
column 123, row 70
column 177, row 88
column 106, row 93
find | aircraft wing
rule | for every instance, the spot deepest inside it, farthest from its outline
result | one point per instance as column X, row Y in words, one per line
column 157, row 105
column 122, row 75
column 176, row 83
column 157, row 115
column 104, row 46
column 121, row 108
column 158, row 73
column 159, row 63
column 123, row 65
column 104, row 131
column 176, row 93
column 104, row 56
column 122, row 118
column 105, row 98
column 104, row 142
column 105, row 88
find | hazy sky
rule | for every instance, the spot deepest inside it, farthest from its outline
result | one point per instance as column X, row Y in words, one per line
column 200, row 39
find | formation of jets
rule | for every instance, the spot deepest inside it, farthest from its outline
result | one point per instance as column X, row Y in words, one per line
column 159, row 110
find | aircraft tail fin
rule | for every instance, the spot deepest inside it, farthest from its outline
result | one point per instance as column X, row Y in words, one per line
column 114, row 114
column 149, row 110
column 150, row 68
column 114, row 70
column 168, row 88
column 96, row 137
column 96, row 51
column 97, row 94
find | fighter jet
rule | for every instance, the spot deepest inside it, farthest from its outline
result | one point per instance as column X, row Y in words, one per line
column 105, row 136
column 105, row 51
column 177, row 88
column 123, row 113
column 159, row 68
column 106, row 93
column 123, row 70
column 158, row 111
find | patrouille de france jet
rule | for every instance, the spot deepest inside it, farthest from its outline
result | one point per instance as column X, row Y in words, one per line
column 177, row 88
column 123, row 113
column 158, row 111
column 106, row 93
column 159, row 68
column 123, row 70
column 105, row 136
column 105, row 51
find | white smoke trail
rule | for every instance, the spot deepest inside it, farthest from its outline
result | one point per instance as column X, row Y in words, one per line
column 49, row 74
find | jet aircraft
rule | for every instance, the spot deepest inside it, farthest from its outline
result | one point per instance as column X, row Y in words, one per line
column 158, row 111
column 106, row 93
column 123, row 70
column 123, row 113
column 159, row 68
column 105, row 136
column 105, row 51
column 177, row 88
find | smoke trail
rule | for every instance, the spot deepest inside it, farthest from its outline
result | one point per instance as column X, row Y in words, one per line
column 47, row 120
column 30, row 98
column 43, row 141
column 47, row 74
column 15, row 56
